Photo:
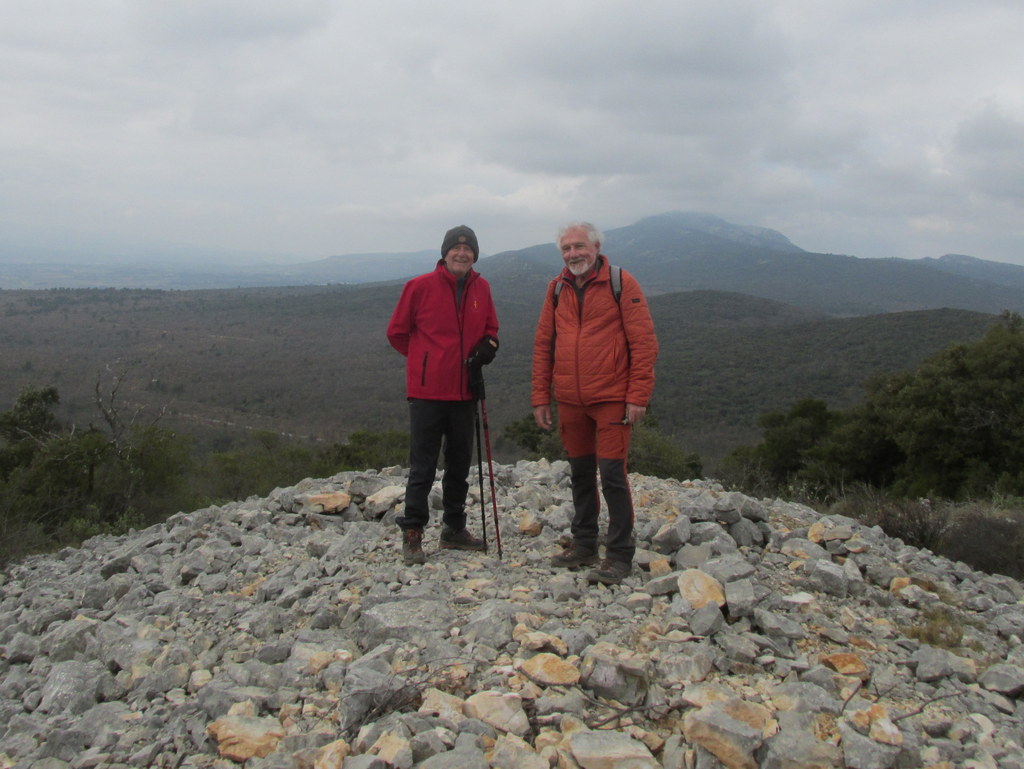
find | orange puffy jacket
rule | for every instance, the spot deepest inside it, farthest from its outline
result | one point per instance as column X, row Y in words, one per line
column 591, row 348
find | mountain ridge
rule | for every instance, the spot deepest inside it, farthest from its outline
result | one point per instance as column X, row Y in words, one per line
column 702, row 250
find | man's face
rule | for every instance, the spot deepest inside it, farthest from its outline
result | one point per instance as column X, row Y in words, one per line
column 579, row 254
column 459, row 260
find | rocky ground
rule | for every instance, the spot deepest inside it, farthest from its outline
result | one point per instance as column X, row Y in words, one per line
column 286, row 633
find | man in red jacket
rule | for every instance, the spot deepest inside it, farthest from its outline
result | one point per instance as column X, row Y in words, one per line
column 445, row 325
column 595, row 346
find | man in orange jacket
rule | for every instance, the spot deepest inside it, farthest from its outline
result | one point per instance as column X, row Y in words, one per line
column 595, row 347
column 445, row 325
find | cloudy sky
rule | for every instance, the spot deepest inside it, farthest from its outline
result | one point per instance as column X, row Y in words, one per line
column 305, row 128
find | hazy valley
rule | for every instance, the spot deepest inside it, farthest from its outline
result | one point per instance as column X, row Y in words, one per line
column 748, row 323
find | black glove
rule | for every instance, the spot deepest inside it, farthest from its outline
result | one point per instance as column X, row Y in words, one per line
column 483, row 352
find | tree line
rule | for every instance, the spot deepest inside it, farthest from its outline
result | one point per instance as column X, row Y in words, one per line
column 935, row 455
column 919, row 455
column 61, row 483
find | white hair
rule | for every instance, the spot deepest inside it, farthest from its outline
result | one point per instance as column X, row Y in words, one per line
column 593, row 234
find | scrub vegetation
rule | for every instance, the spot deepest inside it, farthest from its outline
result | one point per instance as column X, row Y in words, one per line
column 125, row 406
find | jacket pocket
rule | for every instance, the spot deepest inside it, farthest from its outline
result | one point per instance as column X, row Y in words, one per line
column 423, row 370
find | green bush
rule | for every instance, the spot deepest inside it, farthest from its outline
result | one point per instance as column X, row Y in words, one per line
column 937, row 626
column 951, row 429
column 918, row 522
column 987, row 537
column 61, row 484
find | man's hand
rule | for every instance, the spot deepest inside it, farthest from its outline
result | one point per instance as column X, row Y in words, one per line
column 483, row 352
column 634, row 413
column 542, row 416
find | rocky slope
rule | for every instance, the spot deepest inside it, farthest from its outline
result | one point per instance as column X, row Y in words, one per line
column 285, row 632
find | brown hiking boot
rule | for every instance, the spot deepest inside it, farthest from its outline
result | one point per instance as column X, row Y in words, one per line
column 412, row 547
column 460, row 540
column 610, row 572
column 575, row 556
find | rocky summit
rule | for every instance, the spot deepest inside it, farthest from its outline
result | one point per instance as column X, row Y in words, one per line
column 286, row 633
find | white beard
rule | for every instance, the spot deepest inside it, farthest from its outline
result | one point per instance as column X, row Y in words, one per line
column 580, row 268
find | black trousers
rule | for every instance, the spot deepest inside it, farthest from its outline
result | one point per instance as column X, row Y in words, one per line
column 431, row 425
column 619, row 542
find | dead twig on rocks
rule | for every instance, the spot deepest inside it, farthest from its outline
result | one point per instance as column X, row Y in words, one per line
column 619, row 711
column 920, row 708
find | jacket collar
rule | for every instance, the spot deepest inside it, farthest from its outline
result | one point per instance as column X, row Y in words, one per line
column 449, row 276
column 600, row 272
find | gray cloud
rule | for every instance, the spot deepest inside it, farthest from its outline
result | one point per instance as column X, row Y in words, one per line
column 310, row 128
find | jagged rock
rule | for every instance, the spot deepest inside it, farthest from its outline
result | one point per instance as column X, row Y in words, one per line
column 707, row 620
column 728, row 568
column 829, row 577
column 804, row 697
column 411, row 619
column 442, row 704
column 71, row 687
column 933, row 664
column 242, row 737
column 699, row 588
column 502, row 710
column 861, row 752
column 671, row 536
column 691, row 664
column 491, row 624
column 692, row 556
column 615, row 673
column 1005, row 679
column 294, row 615
column 805, row 550
column 511, row 752
column 610, row 750
column 549, row 670
column 777, row 625
column 395, row 751
column 740, row 598
column 382, row 500
column 326, row 502
column 731, row 730
column 332, row 755
column 847, row 663
column 530, row 525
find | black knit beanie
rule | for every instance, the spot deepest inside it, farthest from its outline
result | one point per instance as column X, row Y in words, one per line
column 457, row 235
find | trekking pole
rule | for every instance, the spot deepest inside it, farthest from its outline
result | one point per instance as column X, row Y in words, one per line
column 490, row 464
column 480, row 472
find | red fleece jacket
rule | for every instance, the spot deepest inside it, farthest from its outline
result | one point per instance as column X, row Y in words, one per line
column 436, row 335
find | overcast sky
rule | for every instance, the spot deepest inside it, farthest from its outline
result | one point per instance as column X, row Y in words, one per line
column 305, row 128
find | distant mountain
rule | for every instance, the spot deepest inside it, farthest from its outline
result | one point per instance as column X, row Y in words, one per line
column 686, row 252
column 978, row 269
column 349, row 269
column 361, row 268
column 702, row 233
column 668, row 252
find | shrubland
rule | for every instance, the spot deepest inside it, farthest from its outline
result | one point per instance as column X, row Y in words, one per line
column 932, row 455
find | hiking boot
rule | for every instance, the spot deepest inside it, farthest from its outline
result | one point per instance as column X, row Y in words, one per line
column 460, row 540
column 610, row 572
column 575, row 556
column 412, row 547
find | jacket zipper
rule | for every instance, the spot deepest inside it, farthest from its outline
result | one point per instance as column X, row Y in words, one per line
column 459, row 320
